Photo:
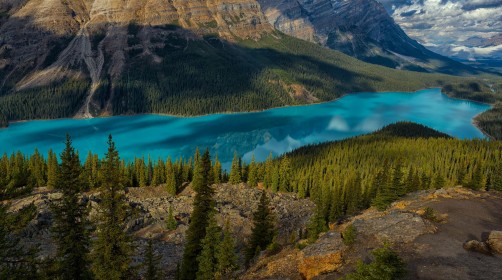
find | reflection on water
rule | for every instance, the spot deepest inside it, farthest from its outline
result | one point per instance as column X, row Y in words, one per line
column 273, row 131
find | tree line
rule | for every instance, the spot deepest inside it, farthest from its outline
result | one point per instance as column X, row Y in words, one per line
column 101, row 248
column 342, row 177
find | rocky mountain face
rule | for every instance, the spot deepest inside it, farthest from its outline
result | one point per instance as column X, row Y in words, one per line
column 42, row 41
column 360, row 28
column 45, row 40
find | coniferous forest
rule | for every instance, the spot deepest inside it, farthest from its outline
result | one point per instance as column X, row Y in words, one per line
column 342, row 178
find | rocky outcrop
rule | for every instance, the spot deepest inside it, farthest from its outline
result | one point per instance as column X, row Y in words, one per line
column 492, row 245
column 477, row 246
column 324, row 256
column 495, row 242
column 360, row 28
column 395, row 226
column 150, row 207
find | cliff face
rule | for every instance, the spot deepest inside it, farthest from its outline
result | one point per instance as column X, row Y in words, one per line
column 360, row 28
column 45, row 40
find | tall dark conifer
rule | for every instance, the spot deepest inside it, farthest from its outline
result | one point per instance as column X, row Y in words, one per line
column 152, row 263
column 203, row 205
column 263, row 231
column 112, row 249
column 236, row 170
column 71, row 224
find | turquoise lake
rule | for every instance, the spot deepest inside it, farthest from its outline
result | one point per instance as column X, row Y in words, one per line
column 276, row 130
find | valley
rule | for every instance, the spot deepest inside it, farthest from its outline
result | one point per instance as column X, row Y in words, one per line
column 257, row 134
column 248, row 139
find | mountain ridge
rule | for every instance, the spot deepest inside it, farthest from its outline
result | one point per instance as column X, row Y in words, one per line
column 360, row 28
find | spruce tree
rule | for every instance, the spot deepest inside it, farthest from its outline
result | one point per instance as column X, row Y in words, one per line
column 170, row 178
column 226, row 257
column 354, row 192
column 285, row 174
column 172, row 224
column 71, row 225
column 235, row 171
column 253, row 173
column 439, row 181
column 217, row 171
column 207, row 260
column 263, row 231
column 151, row 263
column 397, row 187
column 112, row 250
column 267, row 176
column 202, row 207
column 37, row 169
column 16, row 261
column 476, row 182
column 317, row 223
column 52, row 170
column 276, row 179
column 496, row 180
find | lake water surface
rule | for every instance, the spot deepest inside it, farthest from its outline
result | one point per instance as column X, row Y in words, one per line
column 275, row 130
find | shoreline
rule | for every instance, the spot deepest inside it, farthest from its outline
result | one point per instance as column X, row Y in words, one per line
column 474, row 122
column 219, row 113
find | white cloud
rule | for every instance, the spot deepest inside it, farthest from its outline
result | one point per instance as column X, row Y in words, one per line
column 440, row 23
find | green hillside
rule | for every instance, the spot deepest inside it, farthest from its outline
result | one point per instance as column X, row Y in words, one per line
column 212, row 75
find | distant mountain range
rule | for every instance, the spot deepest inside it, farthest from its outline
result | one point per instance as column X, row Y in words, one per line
column 360, row 28
column 65, row 58
column 461, row 29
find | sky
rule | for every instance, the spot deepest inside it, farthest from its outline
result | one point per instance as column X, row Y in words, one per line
column 445, row 25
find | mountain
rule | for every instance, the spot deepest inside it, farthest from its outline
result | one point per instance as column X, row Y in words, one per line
column 360, row 28
column 109, row 57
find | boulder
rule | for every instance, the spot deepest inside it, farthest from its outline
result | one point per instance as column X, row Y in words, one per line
column 477, row 246
column 495, row 241
column 396, row 226
column 322, row 257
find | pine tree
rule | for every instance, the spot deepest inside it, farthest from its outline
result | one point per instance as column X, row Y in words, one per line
column 267, row 176
column 226, row 257
column 172, row 224
column 71, row 225
column 37, row 168
column 397, row 187
column 112, row 249
column 235, row 171
column 496, row 180
column 317, row 223
column 149, row 172
column 91, row 167
column 16, row 261
column 170, row 178
column 151, row 263
column 141, row 171
column 476, row 182
column 52, row 170
column 354, row 192
column 207, row 259
column 203, row 206
column 285, row 174
column 253, row 173
column 158, row 176
column 383, row 197
column 276, row 179
column 217, row 171
column 263, row 231
column 439, row 181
